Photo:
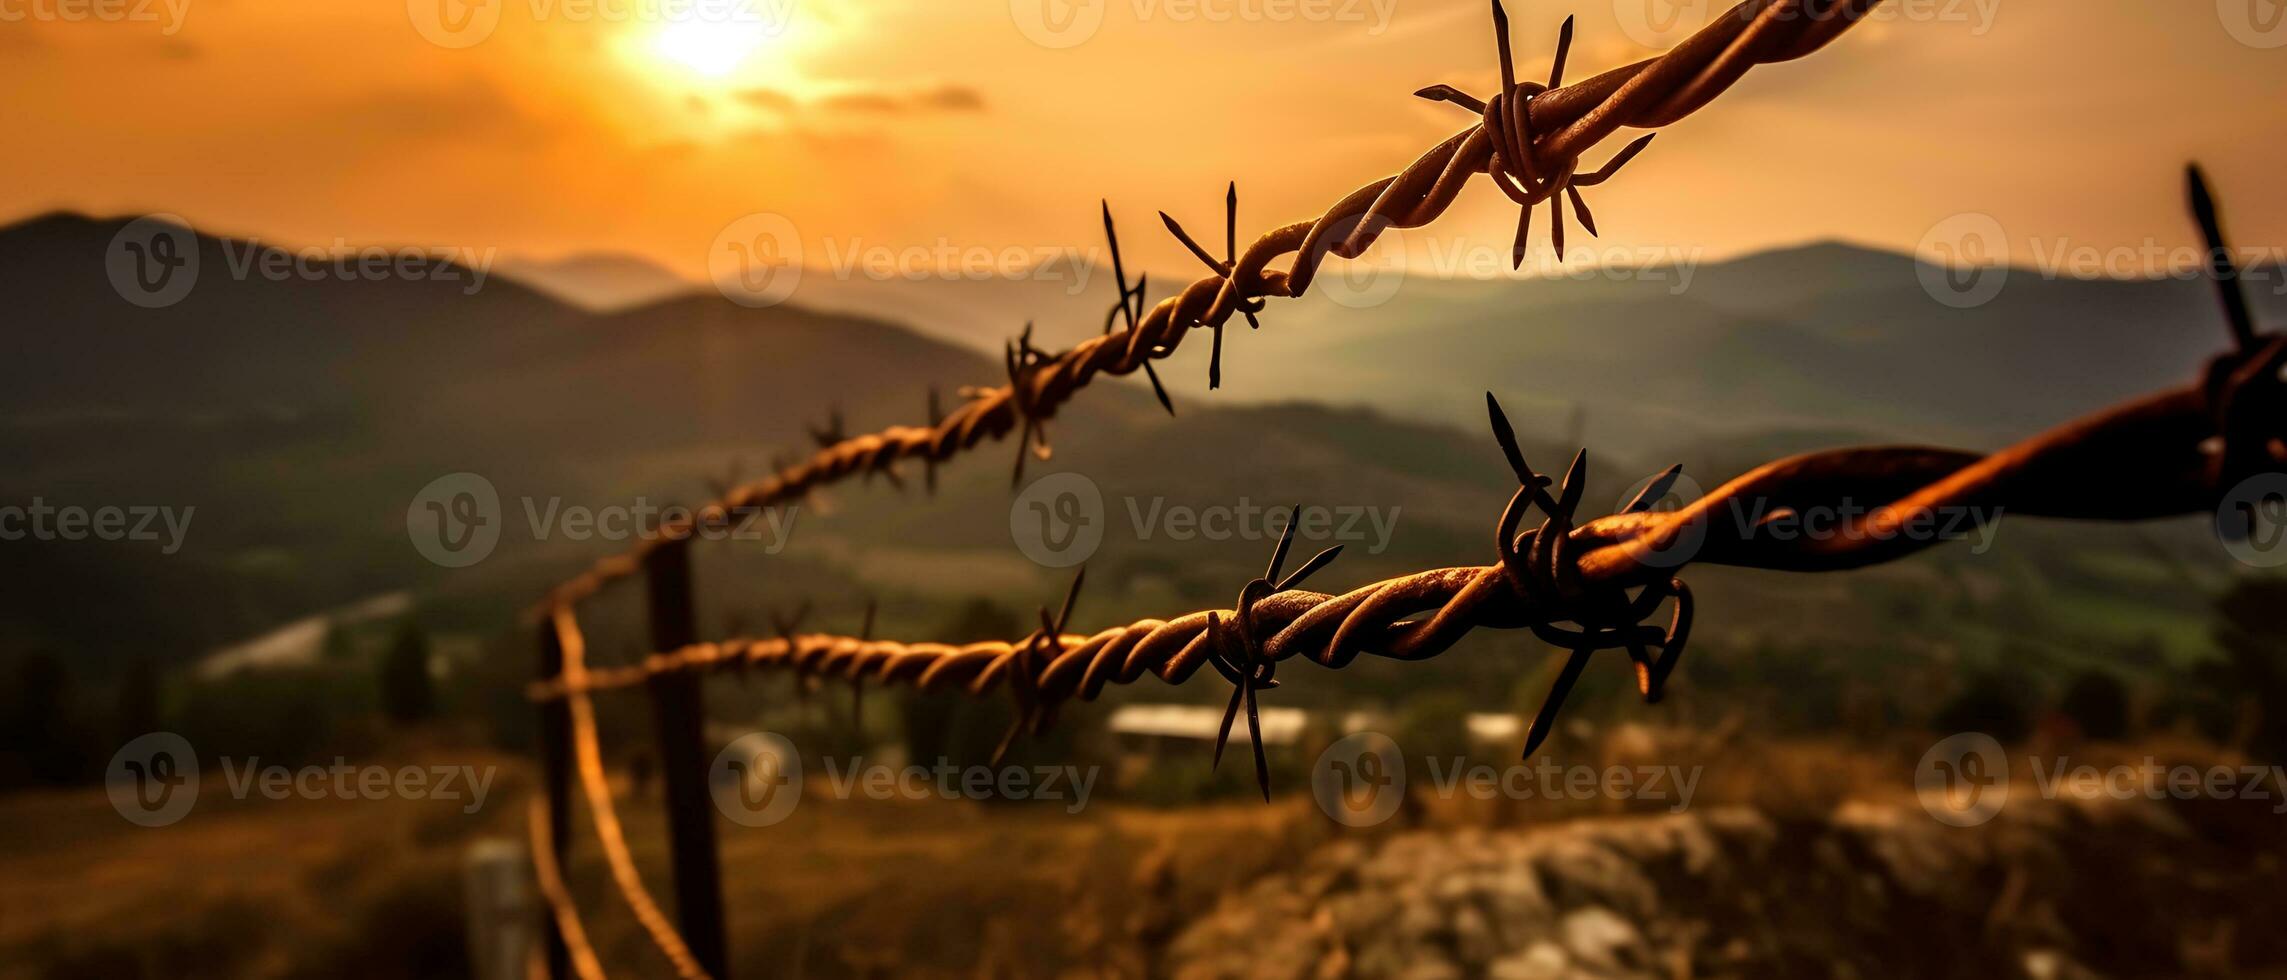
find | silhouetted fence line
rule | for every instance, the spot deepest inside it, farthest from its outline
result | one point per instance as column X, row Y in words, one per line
column 2174, row 452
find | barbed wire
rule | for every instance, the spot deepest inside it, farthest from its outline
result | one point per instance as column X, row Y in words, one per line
column 1529, row 138
column 587, row 755
column 2183, row 447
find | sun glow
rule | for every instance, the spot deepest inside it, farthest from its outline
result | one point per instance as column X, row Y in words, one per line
column 714, row 49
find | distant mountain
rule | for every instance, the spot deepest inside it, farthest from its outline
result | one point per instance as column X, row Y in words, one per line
column 1827, row 336
column 601, row 282
column 301, row 414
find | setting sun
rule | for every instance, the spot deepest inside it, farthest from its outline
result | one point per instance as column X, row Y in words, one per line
column 713, row 49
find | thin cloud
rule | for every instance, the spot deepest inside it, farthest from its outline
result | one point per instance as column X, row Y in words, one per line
column 946, row 99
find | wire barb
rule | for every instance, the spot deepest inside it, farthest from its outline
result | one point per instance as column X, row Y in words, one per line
column 1237, row 652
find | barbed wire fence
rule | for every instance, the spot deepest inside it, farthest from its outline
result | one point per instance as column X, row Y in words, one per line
column 2171, row 453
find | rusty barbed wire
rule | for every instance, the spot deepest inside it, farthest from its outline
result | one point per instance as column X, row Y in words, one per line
column 2184, row 446
column 1532, row 143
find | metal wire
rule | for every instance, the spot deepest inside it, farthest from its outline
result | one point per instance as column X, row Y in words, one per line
column 588, row 759
column 2177, row 444
column 1557, row 125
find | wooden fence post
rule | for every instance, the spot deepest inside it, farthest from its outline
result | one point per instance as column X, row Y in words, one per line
column 679, row 712
column 555, row 738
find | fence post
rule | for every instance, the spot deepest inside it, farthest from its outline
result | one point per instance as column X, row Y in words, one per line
column 555, row 737
column 680, row 715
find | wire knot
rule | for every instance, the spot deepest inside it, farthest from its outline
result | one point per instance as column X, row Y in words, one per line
column 1516, row 165
column 1235, row 646
column 1541, row 567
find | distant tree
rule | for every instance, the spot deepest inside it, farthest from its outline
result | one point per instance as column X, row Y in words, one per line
column 406, row 691
column 2251, row 628
column 138, row 707
column 41, row 737
column 2097, row 703
column 1992, row 702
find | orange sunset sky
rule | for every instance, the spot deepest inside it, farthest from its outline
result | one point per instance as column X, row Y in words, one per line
column 646, row 126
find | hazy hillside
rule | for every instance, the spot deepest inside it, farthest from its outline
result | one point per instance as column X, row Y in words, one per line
column 301, row 417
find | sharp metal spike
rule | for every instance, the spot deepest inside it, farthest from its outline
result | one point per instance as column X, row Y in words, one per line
column 1231, row 225
column 2220, row 264
column 1255, row 736
column 1524, row 232
column 1215, row 360
column 1316, row 562
column 1501, row 36
column 1545, row 721
column 1285, row 540
column 1580, row 207
column 1185, row 238
column 1563, row 48
column 1575, row 484
column 1556, row 224
column 1507, row 437
column 1654, row 491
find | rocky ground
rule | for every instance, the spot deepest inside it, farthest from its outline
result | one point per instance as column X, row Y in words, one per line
column 2049, row 889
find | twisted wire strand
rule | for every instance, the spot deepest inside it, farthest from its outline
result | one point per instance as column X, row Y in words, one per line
column 1565, row 122
column 1880, row 494
column 561, row 908
column 588, row 759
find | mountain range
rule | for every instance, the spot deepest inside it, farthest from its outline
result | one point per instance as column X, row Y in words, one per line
column 301, row 414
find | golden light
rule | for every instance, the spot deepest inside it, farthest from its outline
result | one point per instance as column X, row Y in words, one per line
column 714, row 49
